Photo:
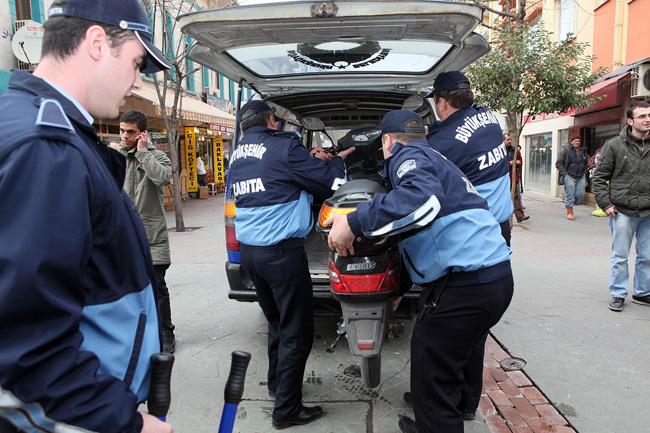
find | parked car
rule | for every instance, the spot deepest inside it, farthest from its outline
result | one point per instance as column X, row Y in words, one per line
column 345, row 62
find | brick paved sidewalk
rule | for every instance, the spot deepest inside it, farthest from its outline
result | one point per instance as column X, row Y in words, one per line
column 511, row 403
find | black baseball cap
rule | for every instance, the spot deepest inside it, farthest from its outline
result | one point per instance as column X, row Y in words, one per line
column 452, row 80
column 253, row 107
column 125, row 14
column 395, row 121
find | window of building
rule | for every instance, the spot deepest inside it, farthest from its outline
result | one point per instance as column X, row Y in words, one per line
column 540, row 162
column 566, row 18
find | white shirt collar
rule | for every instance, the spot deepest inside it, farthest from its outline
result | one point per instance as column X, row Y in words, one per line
column 81, row 109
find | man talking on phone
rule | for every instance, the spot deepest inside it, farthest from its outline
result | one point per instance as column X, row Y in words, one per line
column 147, row 172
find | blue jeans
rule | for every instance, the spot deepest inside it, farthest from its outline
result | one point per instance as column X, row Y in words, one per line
column 574, row 190
column 623, row 230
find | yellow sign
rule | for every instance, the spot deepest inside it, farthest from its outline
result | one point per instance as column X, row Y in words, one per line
column 190, row 159
column 218, row 161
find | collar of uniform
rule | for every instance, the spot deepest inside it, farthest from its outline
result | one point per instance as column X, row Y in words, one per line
column 459, row 114
column 26, row 82
column 81, row 109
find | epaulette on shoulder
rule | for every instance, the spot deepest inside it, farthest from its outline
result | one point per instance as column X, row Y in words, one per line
column 50, row 113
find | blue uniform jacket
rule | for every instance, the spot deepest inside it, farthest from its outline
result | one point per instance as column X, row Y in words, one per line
column 445, row 223
column 77, row 307
column 274, row 179
column 471, row 138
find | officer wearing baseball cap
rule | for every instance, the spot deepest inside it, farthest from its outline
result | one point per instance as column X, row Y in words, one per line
column 274, row 181
column 453, row 248
column 77, row 286
column 125, row 14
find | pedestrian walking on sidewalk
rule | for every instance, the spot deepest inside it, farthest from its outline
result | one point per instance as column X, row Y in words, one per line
column 625, row 163
column 148, row 170
column 479, row 153
column 78, row 314
column 572, row 162
column 453, row 248
column 516, row 167
column 274, row 180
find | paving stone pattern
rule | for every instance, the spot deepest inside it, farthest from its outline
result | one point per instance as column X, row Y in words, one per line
column 511, row 403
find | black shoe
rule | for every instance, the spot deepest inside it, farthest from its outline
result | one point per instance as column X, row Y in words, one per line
column 307, row 415
column 468, row 414
column 169, row 341
column 407, row 425
column 407, row 399
column 616, row 304
column 643, row 300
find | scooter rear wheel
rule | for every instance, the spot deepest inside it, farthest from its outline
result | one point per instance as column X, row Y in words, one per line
column 371, row 370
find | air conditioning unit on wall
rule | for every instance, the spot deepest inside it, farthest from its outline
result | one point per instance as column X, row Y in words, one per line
column 640, row 81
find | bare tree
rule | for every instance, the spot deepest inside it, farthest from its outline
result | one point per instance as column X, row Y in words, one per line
column 175, row 47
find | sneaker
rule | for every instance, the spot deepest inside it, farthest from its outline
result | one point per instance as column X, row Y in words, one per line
column 616, row 304
column 643, row 300
column 169, row 341
column 407, row 425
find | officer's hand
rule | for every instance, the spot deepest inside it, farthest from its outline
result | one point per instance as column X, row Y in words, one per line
column 346, row 152
column 396, row 302
column 341, row 237
column 611, row 212
column 151, row 424
column 320, row 153
column 143, row 140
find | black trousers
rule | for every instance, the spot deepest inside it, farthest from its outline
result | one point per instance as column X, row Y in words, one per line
column 164, row 306
column 506, row 232
column 447, row 349
column 283, row 285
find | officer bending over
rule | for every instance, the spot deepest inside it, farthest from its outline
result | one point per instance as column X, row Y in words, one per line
column 273, row 179
column 453, row 247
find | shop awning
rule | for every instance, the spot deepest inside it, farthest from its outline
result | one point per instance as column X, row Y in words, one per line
column 609, row 89
column 193, row 110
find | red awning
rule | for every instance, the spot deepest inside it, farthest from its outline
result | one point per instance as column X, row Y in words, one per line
column 609, row 89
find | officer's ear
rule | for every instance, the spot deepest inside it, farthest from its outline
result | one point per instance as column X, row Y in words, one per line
column 96, row 42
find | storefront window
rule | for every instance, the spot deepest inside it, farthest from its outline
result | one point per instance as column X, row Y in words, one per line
column 540, row 162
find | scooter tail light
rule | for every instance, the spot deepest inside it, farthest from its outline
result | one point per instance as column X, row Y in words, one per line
column 335, row 279
column 391, row 278
column 373, row 283
column 327, row 211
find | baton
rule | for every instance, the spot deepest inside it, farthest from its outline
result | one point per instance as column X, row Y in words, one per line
column 159, row 391
column 234, row 390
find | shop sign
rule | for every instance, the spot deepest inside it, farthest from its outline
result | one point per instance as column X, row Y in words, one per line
column 190, row 159
column 549, row 116
column 221, row 104
column 218, row 160
column 219, row 128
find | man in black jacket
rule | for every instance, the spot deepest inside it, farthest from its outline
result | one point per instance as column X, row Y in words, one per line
column 572, row 163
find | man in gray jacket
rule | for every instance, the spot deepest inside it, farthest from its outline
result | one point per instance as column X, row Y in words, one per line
column 147, row 171
column 625, row 163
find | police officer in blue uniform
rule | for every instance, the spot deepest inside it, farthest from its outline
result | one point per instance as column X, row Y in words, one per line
column 470, row 137
column 274, row 180
column 77, row 287
column 453, row 247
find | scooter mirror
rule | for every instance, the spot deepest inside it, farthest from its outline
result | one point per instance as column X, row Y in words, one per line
column 413, row 103
column 312, row 124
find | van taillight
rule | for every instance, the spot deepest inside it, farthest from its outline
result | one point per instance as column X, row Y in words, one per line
column 232, row 243
column 371, row 283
